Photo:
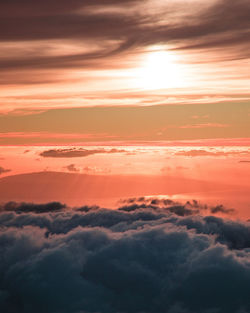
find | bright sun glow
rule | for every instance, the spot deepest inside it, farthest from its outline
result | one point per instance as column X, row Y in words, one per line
column 160, row 70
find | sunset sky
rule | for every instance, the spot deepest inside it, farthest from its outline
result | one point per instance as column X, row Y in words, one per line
column 127, row 87
column 124, row 156
column 124, row 70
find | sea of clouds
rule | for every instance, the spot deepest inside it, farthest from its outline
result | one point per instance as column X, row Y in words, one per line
column 148, row 255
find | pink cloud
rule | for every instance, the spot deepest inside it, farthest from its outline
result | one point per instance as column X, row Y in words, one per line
column 51, row 135
column 205, row 125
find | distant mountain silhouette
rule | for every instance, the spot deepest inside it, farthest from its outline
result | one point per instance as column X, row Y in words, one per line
column 74, row 188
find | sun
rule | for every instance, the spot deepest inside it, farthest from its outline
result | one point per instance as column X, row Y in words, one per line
column 160, row 70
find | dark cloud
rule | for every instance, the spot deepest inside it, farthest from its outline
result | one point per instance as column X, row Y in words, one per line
column 189, row 208
column 46, row 7
column 147, row 259
column 72, row 168
column 75, row 153
column 4, row 170
column 31, row 207
column 223, row 24
column 47, row 15
column 221, row 209
column 180, row 210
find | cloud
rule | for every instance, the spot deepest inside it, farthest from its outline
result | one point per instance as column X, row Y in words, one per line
column 205, row 125
column 87, row 169
column 215, row 153
column 200, row 116
column 52, row 8
column 31, row 207
column 189, row 208
column 120, row 26
column 3, row 170
column 95, row 170
column 221, row 209
column 46, row 135
column 148, row 259
column 72, row 168
column 75, row 153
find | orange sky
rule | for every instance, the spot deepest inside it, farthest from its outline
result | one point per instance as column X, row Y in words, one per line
column 128, row 87
column 189, row 57
column 104, row 174
column 125, row 156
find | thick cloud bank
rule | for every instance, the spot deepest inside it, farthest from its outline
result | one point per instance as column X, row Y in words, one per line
column 149, row 255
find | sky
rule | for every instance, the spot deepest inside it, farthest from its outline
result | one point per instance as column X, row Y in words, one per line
column 102, row 175
column 80, row 71
column 105, row 88
column 124, row 156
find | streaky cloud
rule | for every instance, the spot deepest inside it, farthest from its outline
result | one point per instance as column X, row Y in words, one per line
column 74, row 153
column 223, row 25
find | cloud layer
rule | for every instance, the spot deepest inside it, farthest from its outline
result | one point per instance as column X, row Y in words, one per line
column 75, row 152
column 125, row 24
column 147, row 256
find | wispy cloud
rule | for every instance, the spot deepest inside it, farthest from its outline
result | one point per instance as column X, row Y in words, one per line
column 92, row 170
column 223, row 23
column 212, row 153
column 89, row 53
column 113, row 35
column 205, row 125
